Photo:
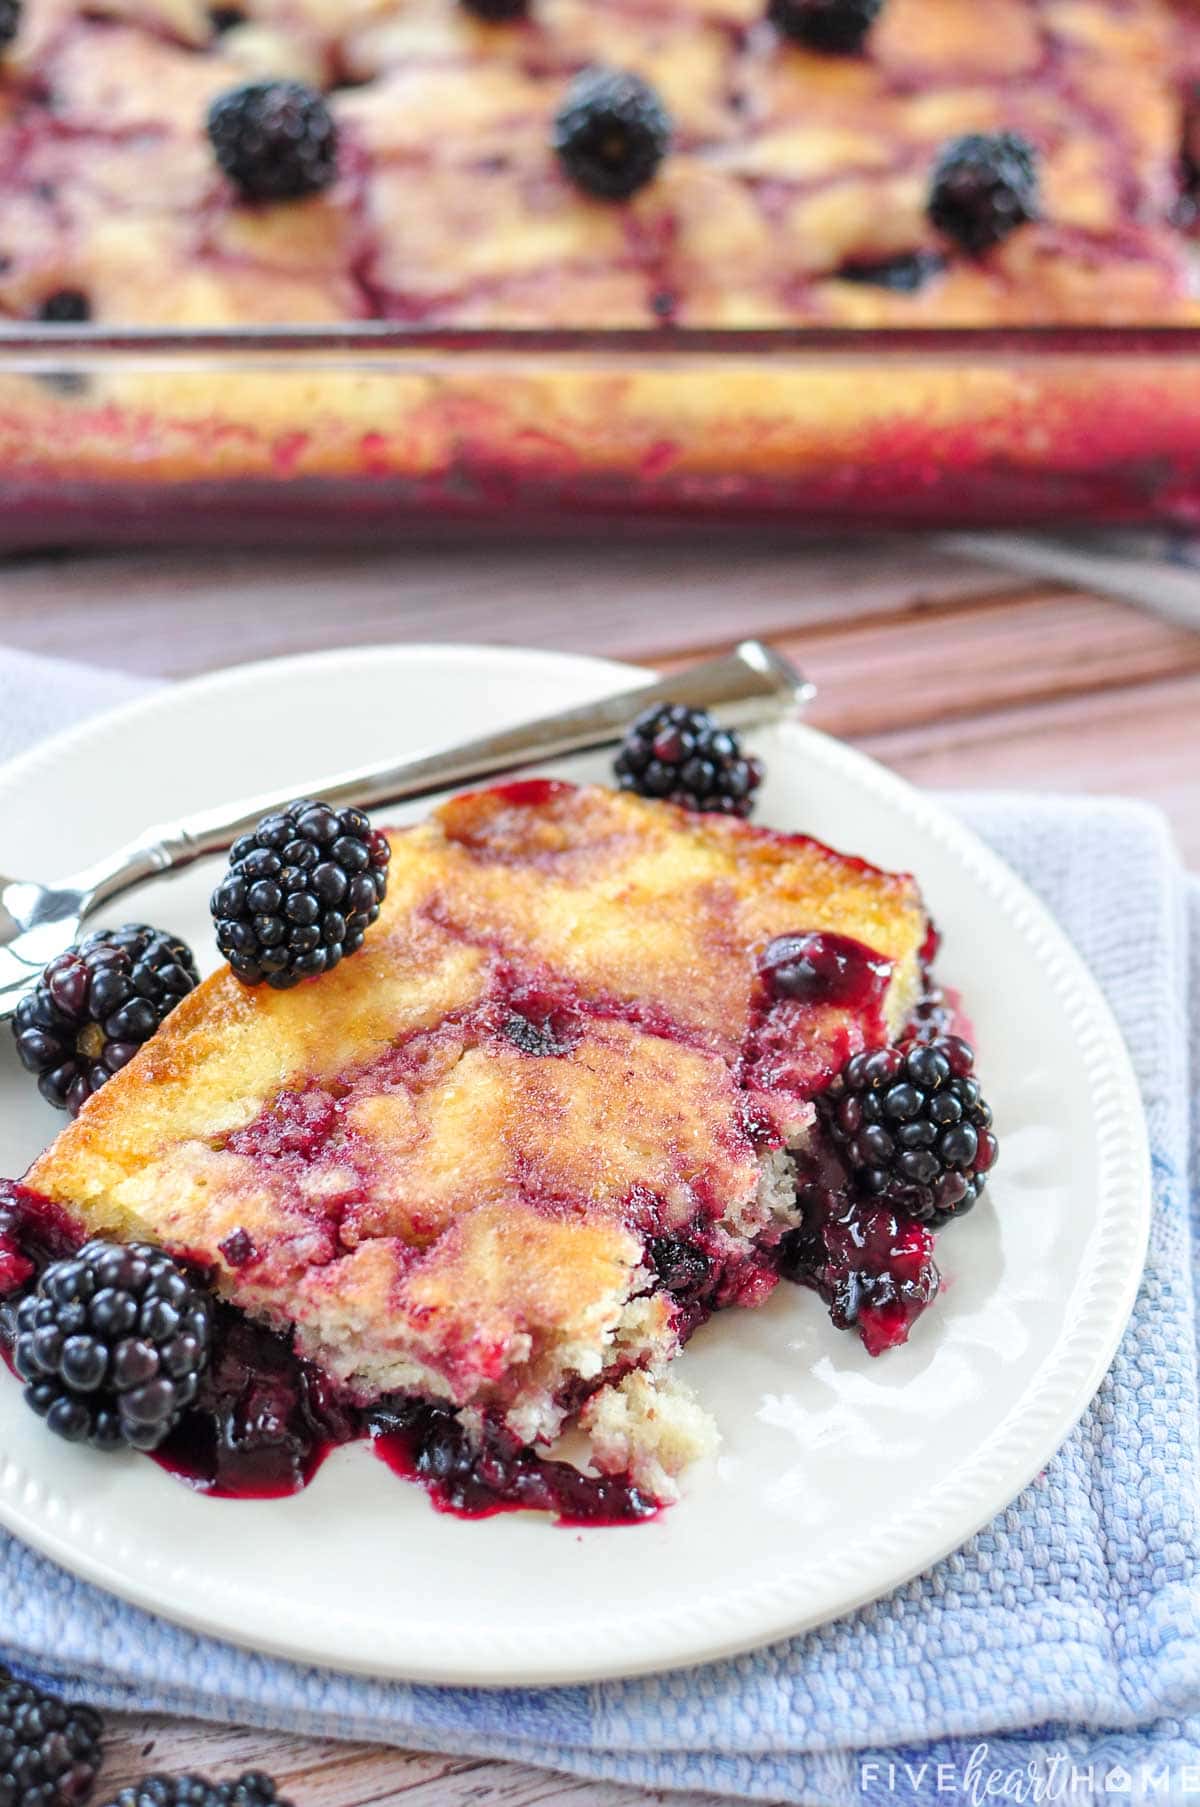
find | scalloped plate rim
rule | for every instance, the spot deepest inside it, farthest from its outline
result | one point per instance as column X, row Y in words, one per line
column 728, row 1622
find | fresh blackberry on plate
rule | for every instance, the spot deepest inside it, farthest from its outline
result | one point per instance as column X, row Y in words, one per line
column 836, row 25
column 10, row 21
column 982, row 188
column 276, row 141
column 682, row 755
column 253, row 1789
column 611, row 133
column 913, row 1127
column 49, row 1750
column 112, row 1345
column 95, row 1005
column 301, row 891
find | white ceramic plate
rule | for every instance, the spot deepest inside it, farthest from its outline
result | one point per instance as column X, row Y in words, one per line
column 839, row 1476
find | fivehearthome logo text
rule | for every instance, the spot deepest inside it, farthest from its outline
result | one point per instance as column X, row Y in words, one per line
column 984, row 1777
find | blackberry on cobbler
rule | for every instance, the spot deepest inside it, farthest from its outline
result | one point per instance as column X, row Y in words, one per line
column 913, row 1127
column 682, row 756
column 10, row 21
column 96, row 1004
column 49, row 1750
column 301, row 892
column 611, row 133
column 64, row 307
column 834, row 25
column 982, row 188
column 497, row 12
column 276, row 141
column 112, row 1344
column 253, row 1789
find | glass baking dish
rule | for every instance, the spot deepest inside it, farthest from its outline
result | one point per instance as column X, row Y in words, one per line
column 316, row 434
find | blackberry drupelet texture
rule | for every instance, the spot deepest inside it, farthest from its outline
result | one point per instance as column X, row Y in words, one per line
column 834, row 25
column 253, row 1789
column 276, row 141
column 611, row 133
column 682, row 756
column 112, row 1345
column 913, row 1128
column 982, row 188
column 49, row 1751
column 301, row 892
column 95, row 1005
column 65, row 307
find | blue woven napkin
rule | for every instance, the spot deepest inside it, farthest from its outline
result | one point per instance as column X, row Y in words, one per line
column 1065, row 1637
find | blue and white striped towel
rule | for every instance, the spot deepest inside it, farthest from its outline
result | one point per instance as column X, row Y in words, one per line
column 1065, row 1637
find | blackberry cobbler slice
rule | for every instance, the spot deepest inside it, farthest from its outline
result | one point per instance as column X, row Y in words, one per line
column 482, row 1181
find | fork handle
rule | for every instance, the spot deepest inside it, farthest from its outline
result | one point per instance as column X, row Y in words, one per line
column 753, row 684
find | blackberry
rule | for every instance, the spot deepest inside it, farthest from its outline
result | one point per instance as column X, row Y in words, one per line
column 682, row 755
column 301, row 891
column 913, row 1127
column 254, row 1789
column 905, row 274
column 611, row 133
column 835, row 25
column 10, row 21
column 276, row 141
column 65, row 307
column 95, row 1005
column 683, row 1268
column 497, row 12
column 49, row 1750
column 982, row 188
column 112, row 1345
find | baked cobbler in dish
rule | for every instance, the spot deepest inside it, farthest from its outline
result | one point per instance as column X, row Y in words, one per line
column 562, row 163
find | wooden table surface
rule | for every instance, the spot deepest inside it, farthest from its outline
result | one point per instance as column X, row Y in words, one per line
column 944, row 669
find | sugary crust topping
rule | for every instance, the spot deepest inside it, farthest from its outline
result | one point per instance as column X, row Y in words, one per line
column 451, row 1150
column 788, row 166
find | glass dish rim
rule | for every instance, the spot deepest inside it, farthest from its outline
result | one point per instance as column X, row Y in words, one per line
column 22, row 340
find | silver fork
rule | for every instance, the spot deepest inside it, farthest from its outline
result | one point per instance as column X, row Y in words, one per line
column 753, row 684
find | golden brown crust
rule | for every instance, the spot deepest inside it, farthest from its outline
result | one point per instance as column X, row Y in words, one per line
column 443, row 1158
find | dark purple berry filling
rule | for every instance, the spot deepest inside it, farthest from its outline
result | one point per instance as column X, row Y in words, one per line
column 426, row 1442
column 824, row 968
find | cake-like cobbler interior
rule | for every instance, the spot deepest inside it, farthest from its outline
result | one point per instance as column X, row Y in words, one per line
column 794, row 192
column 483, row 1180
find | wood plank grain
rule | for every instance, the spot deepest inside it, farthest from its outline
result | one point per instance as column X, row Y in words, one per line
column 1141, row 742
column 948, row 664
column 172, row 615
column 322, row 1773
